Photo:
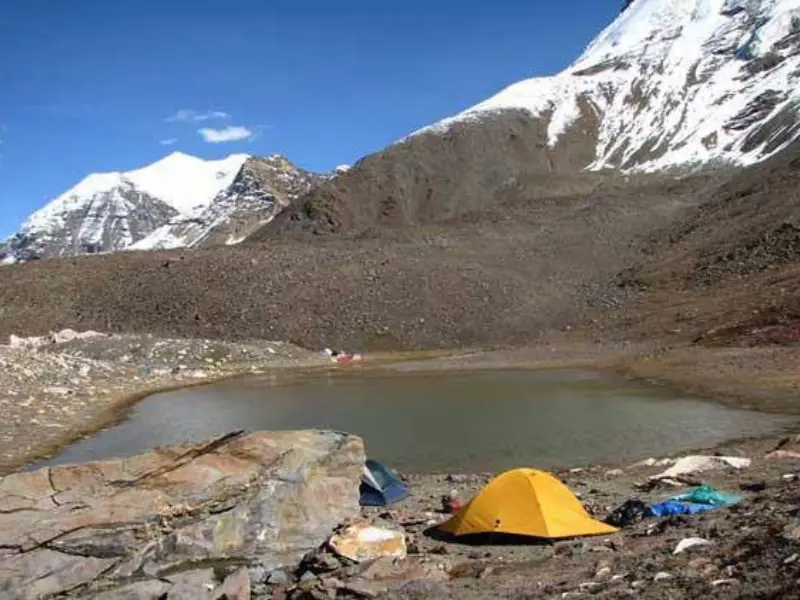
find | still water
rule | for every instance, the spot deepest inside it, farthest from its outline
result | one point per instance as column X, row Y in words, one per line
column 480, row 421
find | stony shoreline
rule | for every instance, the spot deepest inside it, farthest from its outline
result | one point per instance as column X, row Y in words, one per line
column 54, row 391
column 251, row 517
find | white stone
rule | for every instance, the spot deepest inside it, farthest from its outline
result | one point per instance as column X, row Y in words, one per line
column 362, row 542
column 700, row 464
column 687, row 543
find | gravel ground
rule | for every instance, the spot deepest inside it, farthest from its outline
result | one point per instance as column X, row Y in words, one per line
column 52, row 393
column 753, row 548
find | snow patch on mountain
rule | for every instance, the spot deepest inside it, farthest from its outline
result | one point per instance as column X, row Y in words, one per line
column 673, row 83
column 185, row 182
column 111, row 211
column 262, row 188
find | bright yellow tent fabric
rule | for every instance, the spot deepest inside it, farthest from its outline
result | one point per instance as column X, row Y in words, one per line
column 525, row 502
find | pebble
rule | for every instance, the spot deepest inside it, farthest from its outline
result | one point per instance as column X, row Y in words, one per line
column 602, row 573
column 457, row 478
column 278, row 578
column 662, row 576
column 792, row 559
column 699, row 562
column 721, row 582
column 486, row 572
column 792, row 531
column 688, row 543
column 638, row 584
column 257, row 575
column 326, row 562
column 618, row 577
column 591, row 586
column 615, row 473
column 759, row 486
column 363, row 589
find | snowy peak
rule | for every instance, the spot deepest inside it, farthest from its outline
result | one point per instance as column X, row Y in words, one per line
column 673, row 83
column 51, row 215
column 262, row 188
column 111, row 211
column 185, row 182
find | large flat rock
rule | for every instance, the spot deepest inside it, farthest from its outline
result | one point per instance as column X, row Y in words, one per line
column 257, row 500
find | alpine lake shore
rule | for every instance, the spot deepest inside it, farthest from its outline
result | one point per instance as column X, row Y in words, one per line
column 60, row 388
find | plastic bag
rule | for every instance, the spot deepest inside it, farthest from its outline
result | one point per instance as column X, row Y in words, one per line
column 705, row 494
column 628, row 514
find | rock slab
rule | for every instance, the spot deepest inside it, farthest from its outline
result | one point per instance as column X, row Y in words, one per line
column 149, row 521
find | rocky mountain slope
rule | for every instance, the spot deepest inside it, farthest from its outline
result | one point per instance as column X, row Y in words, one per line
column 729, row 270
column 88, row 220
column 671, row 84
column 178, row 201
column 261, row 189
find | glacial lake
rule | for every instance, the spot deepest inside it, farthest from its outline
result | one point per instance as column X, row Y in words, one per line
column 443, row 422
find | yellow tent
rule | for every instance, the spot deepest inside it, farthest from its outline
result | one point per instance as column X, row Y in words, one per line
column 525, row 502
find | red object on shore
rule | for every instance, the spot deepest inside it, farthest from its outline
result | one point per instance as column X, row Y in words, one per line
column 451, row 505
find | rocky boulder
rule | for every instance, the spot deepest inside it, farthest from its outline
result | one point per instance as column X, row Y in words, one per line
column 180, row 519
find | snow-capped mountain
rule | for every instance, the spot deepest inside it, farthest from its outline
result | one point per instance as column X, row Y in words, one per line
column 102, row 213
column 112, row 211
column 262, row 188
column 673, row 83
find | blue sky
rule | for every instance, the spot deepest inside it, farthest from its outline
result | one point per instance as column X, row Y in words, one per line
column 91, row 85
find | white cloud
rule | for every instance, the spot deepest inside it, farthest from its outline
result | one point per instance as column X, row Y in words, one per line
column 187, row 115
column 168, row 141
column 232, row 133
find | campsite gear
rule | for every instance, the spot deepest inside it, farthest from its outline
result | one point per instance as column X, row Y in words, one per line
column 450, row 503
column 525, row 502
column 705, row 494
column 674, row 507
column 628, row 514
column 379, row 486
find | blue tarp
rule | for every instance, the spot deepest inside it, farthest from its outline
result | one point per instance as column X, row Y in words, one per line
column 673, row 507
column 379, row 486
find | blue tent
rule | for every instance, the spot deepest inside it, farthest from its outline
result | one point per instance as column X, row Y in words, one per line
column 379, row 486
